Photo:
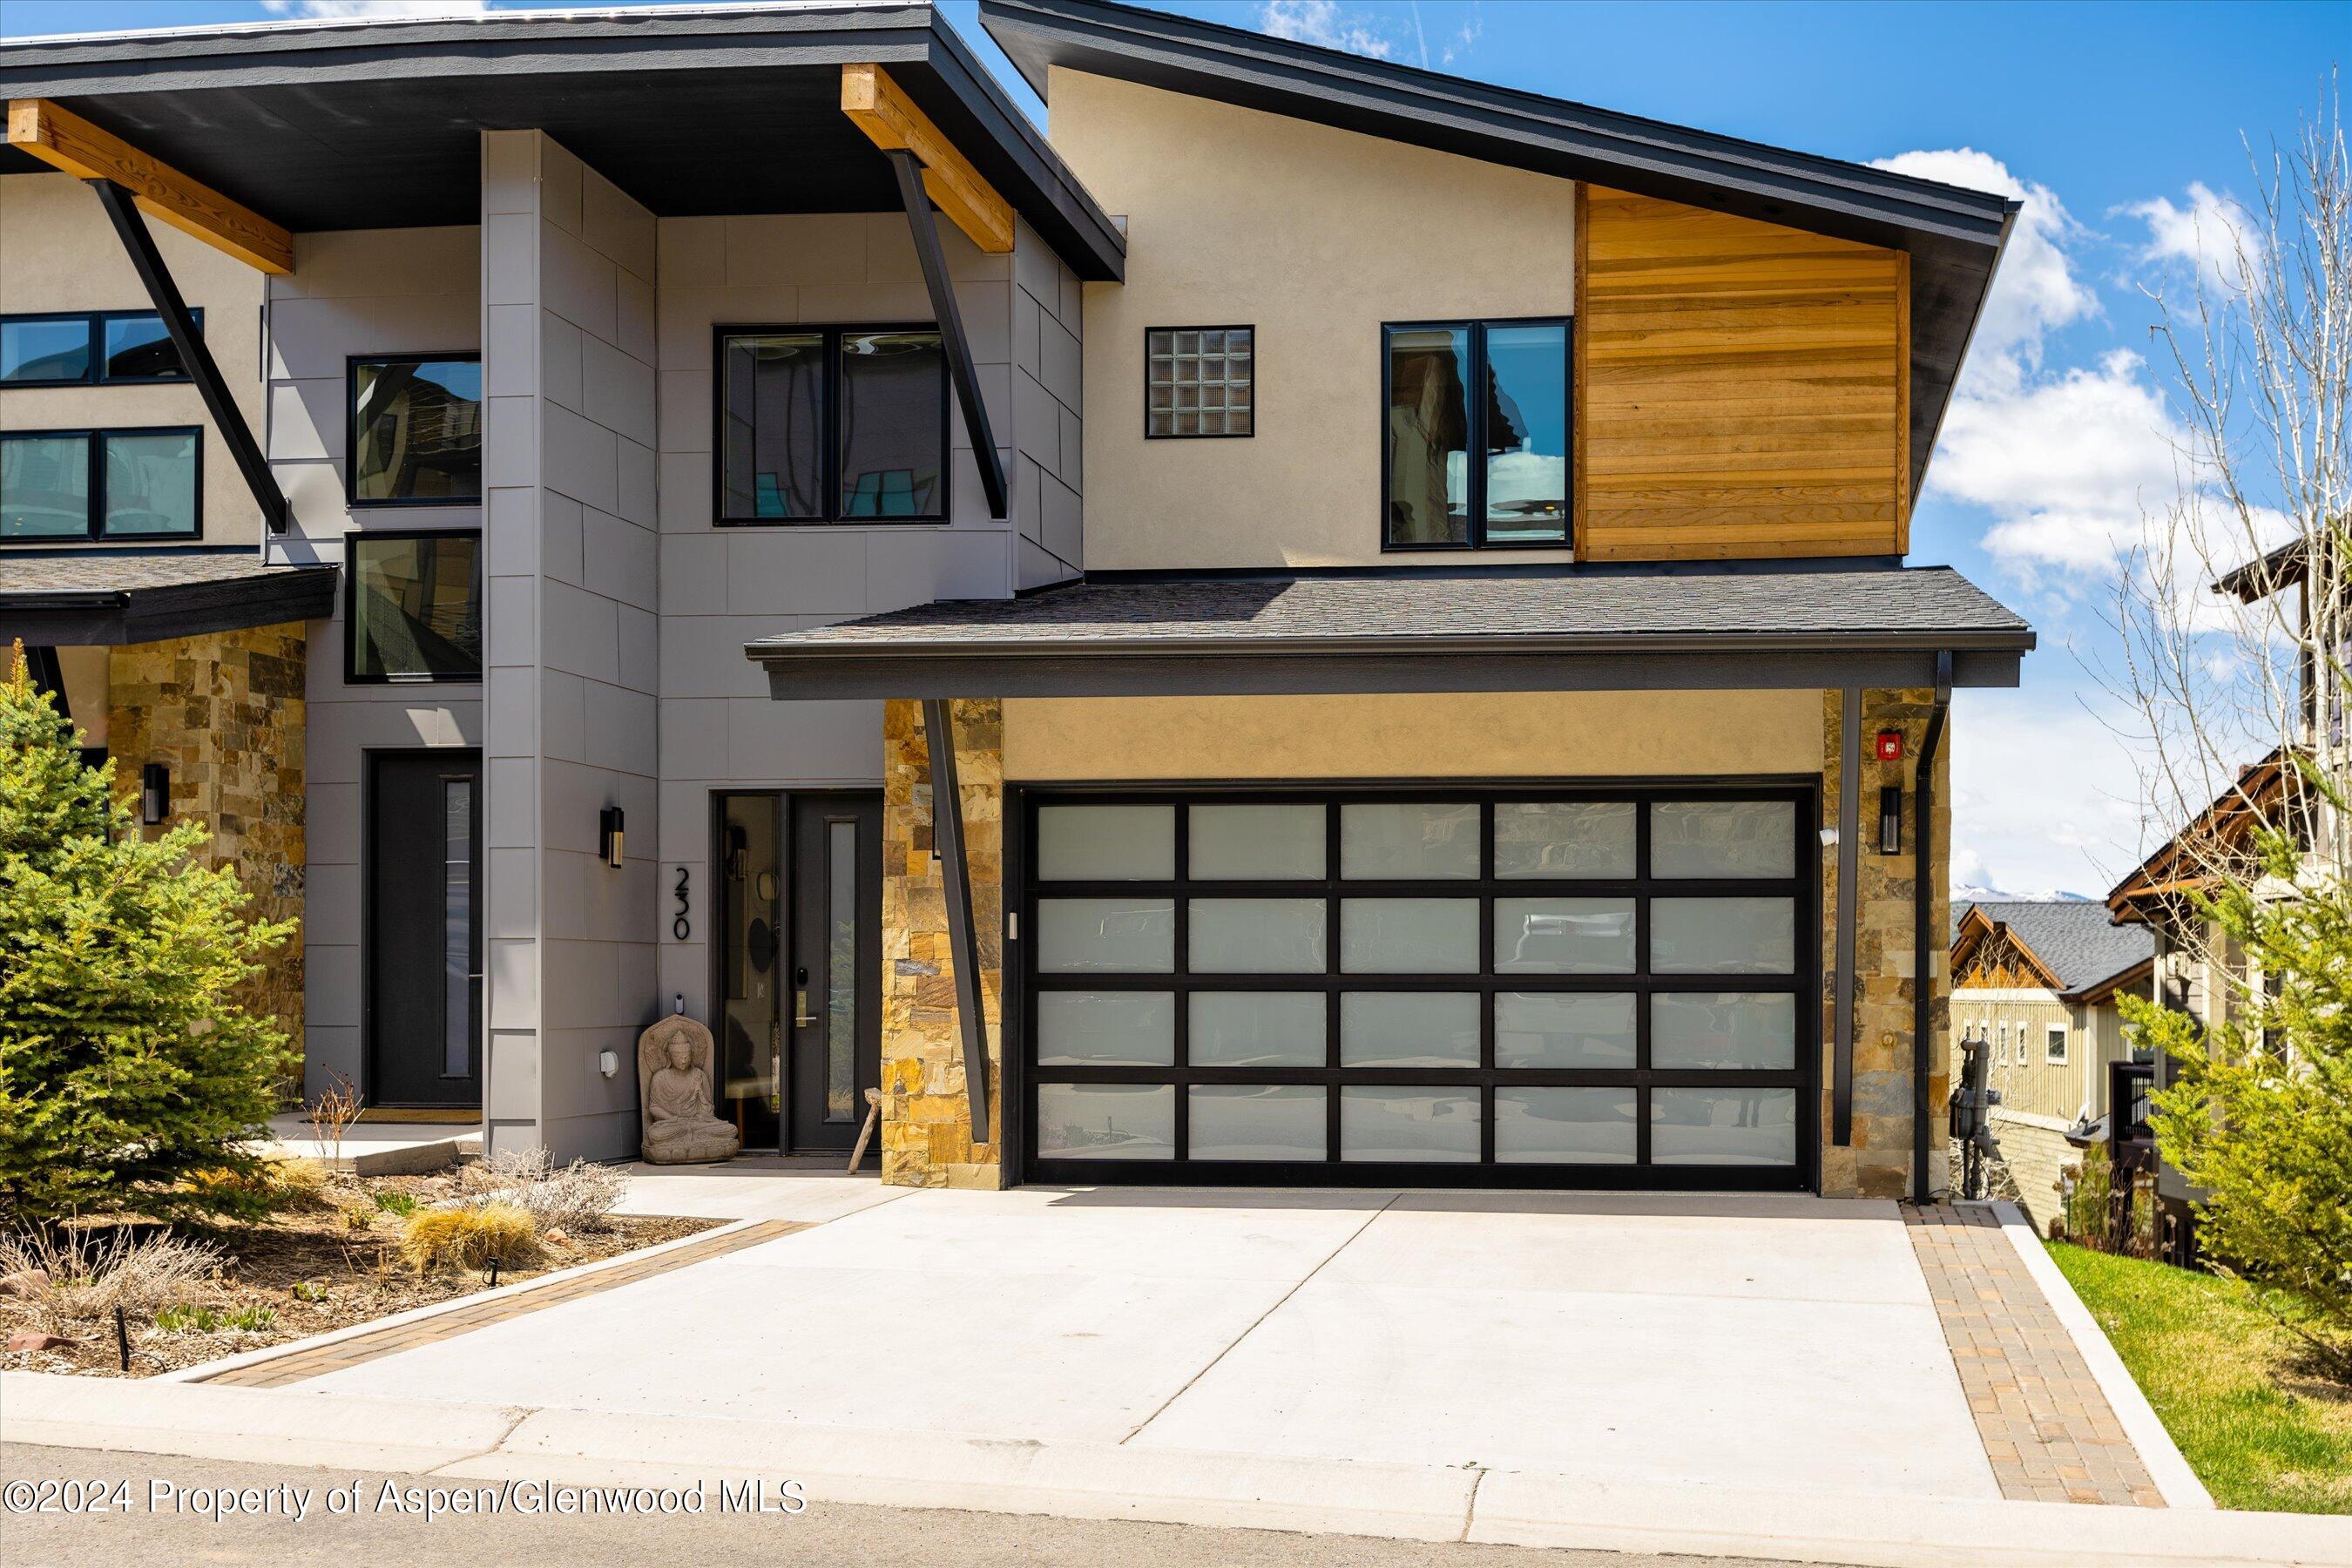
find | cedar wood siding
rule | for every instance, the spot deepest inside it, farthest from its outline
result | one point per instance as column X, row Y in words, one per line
column 1742, row 389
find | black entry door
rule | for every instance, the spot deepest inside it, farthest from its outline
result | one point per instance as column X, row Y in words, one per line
column 424, row 976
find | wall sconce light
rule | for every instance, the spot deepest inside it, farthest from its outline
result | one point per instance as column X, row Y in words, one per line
column 1890, row 819
column 608, row 835
column 155, row 794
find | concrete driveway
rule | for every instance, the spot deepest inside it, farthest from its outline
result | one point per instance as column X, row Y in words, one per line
column 1766, row 1342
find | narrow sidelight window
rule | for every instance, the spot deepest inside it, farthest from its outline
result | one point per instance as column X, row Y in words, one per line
column 1199, row 381
column 412, row 607
column 1474, row 452
column 101, row 484
column 415, row 437
column 832, row 425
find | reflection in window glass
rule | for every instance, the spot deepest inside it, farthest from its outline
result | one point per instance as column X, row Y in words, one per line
column 1407, row 841
column 1107, row 935
column 1378, row 1121
column 138, row 349
column 1594, row 1126
column 1409, row 936
column 893, row 424
column 1723, row 1126
column 1527, row 435
column 1258, row 936
column 1409, row 1029
column 770, row 440
column 1564, row 1030
column 1254, row 1028
column 1564, row 936
column 1106, row 1120
column 45, row 351
column 415, row 607
column 1258, row 1121
column 416, row 430
column 1564, row 838
column 1723, row 936
column 151, row 483
column 44, row 487
column 1428, row 435
column 1126, row 1028
column 1723, row 838
column 1723, row 1030
column 1257, row 843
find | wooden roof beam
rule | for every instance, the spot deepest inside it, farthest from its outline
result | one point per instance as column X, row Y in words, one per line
column 64, row 139
column 890, row 120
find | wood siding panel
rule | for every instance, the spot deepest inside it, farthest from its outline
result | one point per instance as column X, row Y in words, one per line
column 1741, row 388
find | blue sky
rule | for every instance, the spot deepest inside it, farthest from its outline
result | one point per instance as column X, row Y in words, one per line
column 2116, row 122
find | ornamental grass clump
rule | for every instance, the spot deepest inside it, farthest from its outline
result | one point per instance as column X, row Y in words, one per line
column 127, row 1064
column 71, row 1277
column 469, row 1238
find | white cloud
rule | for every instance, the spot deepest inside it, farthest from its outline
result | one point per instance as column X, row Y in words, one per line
column 341, row 10
column 2206, row 233
column 1324, row 23
column 2044, row 791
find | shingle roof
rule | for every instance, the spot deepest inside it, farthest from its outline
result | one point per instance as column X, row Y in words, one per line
column 2074, row 937
column 97, row 596
column 1204, row 614
column 128, row 571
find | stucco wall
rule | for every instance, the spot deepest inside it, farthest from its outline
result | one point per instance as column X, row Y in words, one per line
column 1315, row 236
column 59, row 252
column 355, row 293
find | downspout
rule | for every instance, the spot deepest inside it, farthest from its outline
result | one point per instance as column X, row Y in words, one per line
column 1923, row 899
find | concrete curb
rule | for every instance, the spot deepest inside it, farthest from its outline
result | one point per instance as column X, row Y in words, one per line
column 1106, row 1481
column 2167, row 1467
column 204, row 1371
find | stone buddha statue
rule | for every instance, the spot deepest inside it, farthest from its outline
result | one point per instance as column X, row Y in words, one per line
column 673, row 1088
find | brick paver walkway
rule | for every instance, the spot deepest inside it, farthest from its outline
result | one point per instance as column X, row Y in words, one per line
column 2046, row 1425
column 316, row 1362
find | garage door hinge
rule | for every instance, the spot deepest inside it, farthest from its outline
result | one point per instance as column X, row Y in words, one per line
column 1013, row 925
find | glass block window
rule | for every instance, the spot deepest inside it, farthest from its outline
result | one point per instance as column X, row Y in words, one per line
column 1199, row 381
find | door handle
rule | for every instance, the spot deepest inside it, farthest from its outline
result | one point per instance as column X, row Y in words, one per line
column 801, row 1018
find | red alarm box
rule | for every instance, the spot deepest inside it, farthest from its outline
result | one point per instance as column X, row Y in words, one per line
column 1890, row 746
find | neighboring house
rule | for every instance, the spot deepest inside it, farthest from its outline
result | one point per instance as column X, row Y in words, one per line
column 1416, row 598
column 2036, row 983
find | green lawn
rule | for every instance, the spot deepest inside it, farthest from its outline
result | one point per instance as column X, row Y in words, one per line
column 2215, row 1368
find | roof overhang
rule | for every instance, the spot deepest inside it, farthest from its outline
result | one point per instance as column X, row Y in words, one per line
column 691, row 110
column 1953, row 236
column 114, row 597
column 2122, row 980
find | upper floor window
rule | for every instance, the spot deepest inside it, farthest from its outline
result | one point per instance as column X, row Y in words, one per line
column 89, row 347
column 413, row 606
column 1474, row 452
column 101, row 484
column 2054, row 1047
column 832, row 425
column 415, row 433
column 1199, row 381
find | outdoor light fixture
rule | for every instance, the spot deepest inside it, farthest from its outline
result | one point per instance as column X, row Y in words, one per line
column 1890, row 819
column 155, row 794
column 608, row 835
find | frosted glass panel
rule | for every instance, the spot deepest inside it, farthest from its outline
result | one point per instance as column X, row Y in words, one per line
column 1257, row 843
column 1723, row 1030
column 1258, row 936
column 1589, row 1029
column 1259, row 1121
column 1564, row 936
column 1107, row 1121
column 1723, row 1126
column 1075, row 936
column 1564, row 1126
column 1723, row 936
column 1127, row 1028
column 1564, row 838
column 1409, row 936
column 1409, row 1029
column 1105, row 843
column 1256, row 1030
column 1377, row 1123
column 1408, row 842
column 1723, row 838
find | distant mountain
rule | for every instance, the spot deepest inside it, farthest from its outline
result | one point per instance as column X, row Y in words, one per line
column 1966, row 894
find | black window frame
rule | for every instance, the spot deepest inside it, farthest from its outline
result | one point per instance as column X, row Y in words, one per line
column 94, row 438
column 96, row 374
column 829, row 414
column 1477, row 327
column 352, row 541
column 1025, row 981
column 1255, row 387
column 352, row 497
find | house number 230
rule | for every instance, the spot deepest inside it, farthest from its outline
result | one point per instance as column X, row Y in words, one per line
column 679, row 927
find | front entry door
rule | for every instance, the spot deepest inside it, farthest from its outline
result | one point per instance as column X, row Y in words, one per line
column 799, row 967
column 423, row 947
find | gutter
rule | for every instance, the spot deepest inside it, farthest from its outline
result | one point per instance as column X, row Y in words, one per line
column 823, row 650
column 1923, row 903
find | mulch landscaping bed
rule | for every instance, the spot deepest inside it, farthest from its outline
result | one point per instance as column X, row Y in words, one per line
column 311, row 1249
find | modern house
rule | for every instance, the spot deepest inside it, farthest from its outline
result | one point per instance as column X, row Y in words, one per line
column 1323, row 624
column 2035, row 984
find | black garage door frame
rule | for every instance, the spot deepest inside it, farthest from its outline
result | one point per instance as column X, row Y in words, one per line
column 1021, row 1074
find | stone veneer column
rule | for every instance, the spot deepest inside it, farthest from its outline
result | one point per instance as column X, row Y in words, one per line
column 1878, row 1162
column 225, row 712
column 926, row 1113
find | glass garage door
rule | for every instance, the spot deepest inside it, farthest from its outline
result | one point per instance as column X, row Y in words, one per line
column 1506, row 989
